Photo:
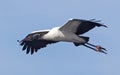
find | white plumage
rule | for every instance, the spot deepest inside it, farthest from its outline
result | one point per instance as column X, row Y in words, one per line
column 67, row 33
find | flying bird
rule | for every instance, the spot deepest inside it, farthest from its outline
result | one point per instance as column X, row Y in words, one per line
column 69, row 32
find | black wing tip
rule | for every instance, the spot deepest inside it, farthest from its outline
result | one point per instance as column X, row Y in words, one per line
column 101, row 25
column 21, row 42
column 97, row 22
column 30, row 51
column 105, row 26
column 18, row 41
column 33, row 46
column 26, row 47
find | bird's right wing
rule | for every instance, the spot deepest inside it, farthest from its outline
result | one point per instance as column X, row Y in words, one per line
column 32, row 42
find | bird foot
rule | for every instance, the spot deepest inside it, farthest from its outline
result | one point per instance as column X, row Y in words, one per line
column 101, row 49
column 96, row 48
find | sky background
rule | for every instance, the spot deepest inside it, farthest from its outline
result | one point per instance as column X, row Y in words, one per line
column 20, row 17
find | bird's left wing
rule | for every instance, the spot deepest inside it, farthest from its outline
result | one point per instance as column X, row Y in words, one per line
column 32, row 42
column 71, row 25
column 79, row 26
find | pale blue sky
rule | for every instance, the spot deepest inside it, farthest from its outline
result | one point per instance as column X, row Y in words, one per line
column 19, row 17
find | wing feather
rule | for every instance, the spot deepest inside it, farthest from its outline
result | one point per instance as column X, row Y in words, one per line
column 79, row 26
column 32, row 44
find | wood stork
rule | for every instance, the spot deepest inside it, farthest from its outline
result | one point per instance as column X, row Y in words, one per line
column 69, row 32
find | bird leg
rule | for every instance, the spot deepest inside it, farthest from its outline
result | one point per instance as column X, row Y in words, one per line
column 97, row 48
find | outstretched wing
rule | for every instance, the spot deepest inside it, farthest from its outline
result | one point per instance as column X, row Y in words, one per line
column 79, row 26
column 34, row 41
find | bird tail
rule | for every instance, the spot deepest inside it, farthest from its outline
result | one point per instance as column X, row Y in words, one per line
column 85, row 38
